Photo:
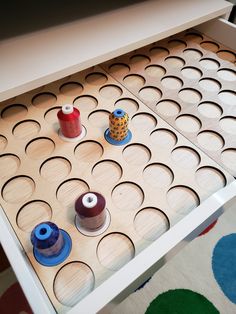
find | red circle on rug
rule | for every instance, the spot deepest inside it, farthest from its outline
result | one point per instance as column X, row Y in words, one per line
column 208, row 228
column 13, row 301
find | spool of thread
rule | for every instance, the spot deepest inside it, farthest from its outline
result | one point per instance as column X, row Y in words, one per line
column 51, row 244
column 118, row 132
column 91, row 210
column 70, row 122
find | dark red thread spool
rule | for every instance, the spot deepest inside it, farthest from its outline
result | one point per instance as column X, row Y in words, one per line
column 91, row 210
column 70, row 122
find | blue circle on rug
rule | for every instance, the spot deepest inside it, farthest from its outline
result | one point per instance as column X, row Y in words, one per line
column 224, row 265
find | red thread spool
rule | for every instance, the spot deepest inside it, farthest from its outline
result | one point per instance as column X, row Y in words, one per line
column 91, row 210
column 70, row 122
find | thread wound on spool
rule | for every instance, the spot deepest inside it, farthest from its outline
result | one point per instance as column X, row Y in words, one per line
column 70, row 122
column 91, row 210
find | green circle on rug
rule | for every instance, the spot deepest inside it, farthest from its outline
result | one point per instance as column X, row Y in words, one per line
column 181, row 301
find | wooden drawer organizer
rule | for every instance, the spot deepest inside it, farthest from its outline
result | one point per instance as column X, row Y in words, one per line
column 149, row 184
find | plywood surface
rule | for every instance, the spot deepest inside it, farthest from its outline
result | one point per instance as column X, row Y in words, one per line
column 149, row 184
column 35, row 59
column 190, row 81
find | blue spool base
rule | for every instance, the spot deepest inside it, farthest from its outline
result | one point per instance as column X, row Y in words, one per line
column 55, row 259
column 117, row 143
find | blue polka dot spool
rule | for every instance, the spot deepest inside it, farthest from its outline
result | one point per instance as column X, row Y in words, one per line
column 118, row 132
column 51, row 245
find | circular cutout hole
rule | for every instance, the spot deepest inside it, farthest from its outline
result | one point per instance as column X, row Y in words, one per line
column 228, row 124
column 177, row 44
column 227, row 74
column 168, row 108
column 193, row 37
column 40, row 147
column 228, row 158
column 85, row 103
column 136, row 154
column 55, row 169
column 190, row 95
column 96, row 78
column 155, row 71
column 210, row 110
column 110, row 91
column 88, row 151
column 193, row 54
column 210, row 85
column 134, row 81
column 107, row 172
column 3, row 143
column 209, row 45
column 51, row 116
column 33, row 213
column 185, row 157
column 163, row 138
column 172, row 82
column 158, row 175
column 9, row 164
column 210, row 140
column 139, row 60
column 191, row 73
column 127, row 196
column 119, row 68
column 44, row 100
column 188, row 123
column 226, row 55
column 26, row 129
column 129, row 105
column 18, row 189
column 73, row 282
column 14, row 112
column 124, row 251
column 150, row 223
column 144, row 122
column 210, row 179
column 175, row 62
column 150, row 94
column 71, row 89
column 228, row 97
column 70, row 190
column 158, row 52
column 99, row 118
column 209, row 64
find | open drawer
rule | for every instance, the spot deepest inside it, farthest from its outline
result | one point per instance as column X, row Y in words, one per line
column 150, row 251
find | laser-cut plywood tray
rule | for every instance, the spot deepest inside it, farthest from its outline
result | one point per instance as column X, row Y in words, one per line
column 149, row 184
column 190, row 81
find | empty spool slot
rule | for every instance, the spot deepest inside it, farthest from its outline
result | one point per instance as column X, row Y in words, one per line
column 210, row 140
column 159, row 52
column 33, row 213
column 168, row 108
column 210, row 85
column 226, row 55
column 96, row 78
column 127, row 196
column 26, row 129
column 210, row 45
column 51, row 116
column 99, row 118
column 193, row 54
column 14, row 112
column 228, row 124
column 73, row 282
column 155, row 71
column 129, row 105
column 227, row 74
column 193, row 37
column 44, row 100
column 210, row 179
column 228, row 157
column 144, row 122
column 164, row 138
column 55, row 169
column 107, row 172
column 18, row 189
column 85, row 103
column 209, row 64
column 88, row 151
column 119, row 68
column 172, row 82
column 71, row 89
column 150, row 223
column 210, row 110
column 191, row 73
column 40, row 148
column 134, row 81
column 110, row 91
column 139, row 59
column 175, row 62
column 228, row 97
column 137, row 154
column 3, row 143
column 158, row 175
column 190, row 95
column 9, row 164
column 188, row 123
column 186, row 157
column 115, row 250
column 177, row 44
column 150, row 93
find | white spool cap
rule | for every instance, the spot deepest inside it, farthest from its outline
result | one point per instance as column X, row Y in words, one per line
column 89, row 200
column 67, row 109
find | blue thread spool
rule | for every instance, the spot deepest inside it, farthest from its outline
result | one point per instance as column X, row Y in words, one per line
column 51, row 245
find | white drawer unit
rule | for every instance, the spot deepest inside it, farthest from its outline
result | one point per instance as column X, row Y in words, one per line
column 167, row 175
